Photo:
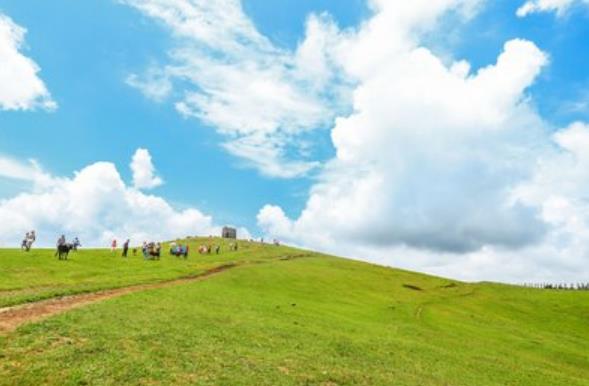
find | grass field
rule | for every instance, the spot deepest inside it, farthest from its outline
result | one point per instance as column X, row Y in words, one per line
column 37, row 275
column 313, row 320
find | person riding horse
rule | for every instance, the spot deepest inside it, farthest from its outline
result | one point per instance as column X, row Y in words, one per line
column 28, row 241
column 63, row 248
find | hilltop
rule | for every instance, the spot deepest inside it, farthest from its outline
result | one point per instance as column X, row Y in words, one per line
column 278, row 315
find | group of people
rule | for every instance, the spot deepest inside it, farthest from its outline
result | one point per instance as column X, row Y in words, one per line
column 149, row 250
column 28, row 241
column 275, row 241
column 153, row 249
column 179, row 250
column 73, row 245
column 208, row 249
column 31, row 237
column 62, row 246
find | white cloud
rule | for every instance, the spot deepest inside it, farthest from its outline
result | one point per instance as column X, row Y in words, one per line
column 21, row 88
column 95, row 205
column 30, row 172
column 558, row 6
column 154, row 84
column 144, row 176
column 436, row 167
column 259, row 96
column 11, row 168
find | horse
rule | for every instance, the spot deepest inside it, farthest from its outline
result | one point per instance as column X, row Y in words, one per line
column 63, row 251
column 155, row 254
column 152, row 251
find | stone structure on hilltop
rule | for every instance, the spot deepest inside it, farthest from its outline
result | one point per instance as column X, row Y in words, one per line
column 229, row 233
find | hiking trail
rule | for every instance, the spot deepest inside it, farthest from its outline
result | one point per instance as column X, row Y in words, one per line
column 13, row 317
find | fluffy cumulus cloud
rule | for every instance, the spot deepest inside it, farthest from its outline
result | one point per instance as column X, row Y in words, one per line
column 95, row 204
column 228, row 75
column 558, row 6
column 21, row 88
column 441, row 168
column 14, row 169
column 144, row 176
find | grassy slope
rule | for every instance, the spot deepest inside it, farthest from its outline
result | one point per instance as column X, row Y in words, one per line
column 314, row 320
column 38, row 275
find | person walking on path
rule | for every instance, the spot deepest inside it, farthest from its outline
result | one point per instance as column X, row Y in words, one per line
column 126, row 248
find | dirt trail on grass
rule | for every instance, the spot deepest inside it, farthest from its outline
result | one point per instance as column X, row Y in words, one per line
column 13, row 317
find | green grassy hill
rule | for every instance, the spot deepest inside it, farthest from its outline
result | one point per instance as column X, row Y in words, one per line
column 286, row 317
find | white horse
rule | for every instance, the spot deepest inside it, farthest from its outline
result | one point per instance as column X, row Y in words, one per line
column 26, row 244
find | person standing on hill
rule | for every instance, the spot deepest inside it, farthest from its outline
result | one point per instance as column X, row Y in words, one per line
column 113, row 245
column 126, row 248
column 144, row 250
column 157, row 250
column 76, row 243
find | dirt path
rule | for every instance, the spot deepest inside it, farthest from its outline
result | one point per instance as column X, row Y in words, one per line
column 13, row 317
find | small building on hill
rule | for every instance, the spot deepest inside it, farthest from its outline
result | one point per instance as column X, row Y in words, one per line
column 229, row 233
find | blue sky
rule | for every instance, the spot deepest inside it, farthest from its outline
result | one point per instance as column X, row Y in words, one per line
column 101, row 118
column 229, row 168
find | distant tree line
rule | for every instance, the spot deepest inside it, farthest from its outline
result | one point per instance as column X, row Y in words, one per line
column 560, row 286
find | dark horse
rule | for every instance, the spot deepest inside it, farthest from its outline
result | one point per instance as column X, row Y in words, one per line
column 63, row 251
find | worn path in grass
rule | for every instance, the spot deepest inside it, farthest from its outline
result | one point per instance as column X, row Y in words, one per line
column 15, row 316
column 12, row 317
